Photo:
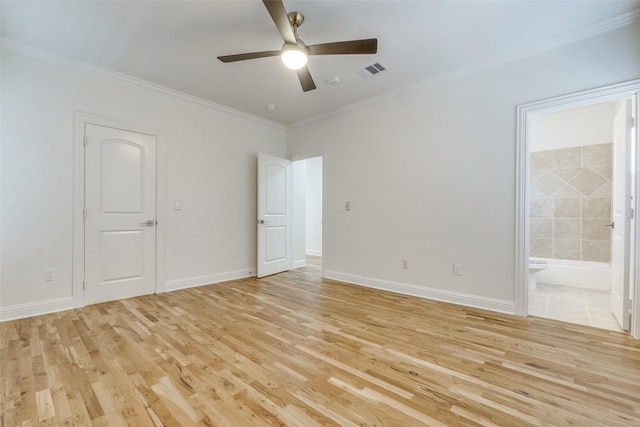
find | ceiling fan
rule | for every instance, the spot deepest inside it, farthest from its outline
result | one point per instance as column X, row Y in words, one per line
column 294, row 52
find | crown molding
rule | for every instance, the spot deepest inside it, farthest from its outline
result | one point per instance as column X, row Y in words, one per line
column 564, row 39
column 85, row 66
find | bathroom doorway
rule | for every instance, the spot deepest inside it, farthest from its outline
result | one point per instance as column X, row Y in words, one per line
column 570, row 192
column 307, row 212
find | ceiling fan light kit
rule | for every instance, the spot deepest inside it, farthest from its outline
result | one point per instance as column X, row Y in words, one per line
column 294, row 57
column 294, row 53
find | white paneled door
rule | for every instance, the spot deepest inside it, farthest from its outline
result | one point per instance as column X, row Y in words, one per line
column 621, row 215
column 274, row 215
column 120, row 214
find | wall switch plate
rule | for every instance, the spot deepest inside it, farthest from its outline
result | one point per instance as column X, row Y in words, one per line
column 49, row 275
column 457, row 269
column 177, row 205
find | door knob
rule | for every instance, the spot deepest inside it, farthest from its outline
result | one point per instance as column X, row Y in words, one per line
column 612, row 225
column 262, row 221
column 148, row 223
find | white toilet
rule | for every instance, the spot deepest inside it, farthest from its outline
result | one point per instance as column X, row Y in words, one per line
column 535, row 266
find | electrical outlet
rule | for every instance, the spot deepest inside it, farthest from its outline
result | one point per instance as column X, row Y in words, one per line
column 234, row 254
column 405, row 263
column 49, row 275
column 457, row 269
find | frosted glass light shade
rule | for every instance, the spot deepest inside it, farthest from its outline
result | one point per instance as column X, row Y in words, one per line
column 294, row 58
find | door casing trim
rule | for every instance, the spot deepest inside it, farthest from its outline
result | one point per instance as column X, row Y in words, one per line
column 592, row 96
column 81, row 119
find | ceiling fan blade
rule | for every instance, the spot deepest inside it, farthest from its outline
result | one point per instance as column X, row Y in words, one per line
column 280, row 18
column 364, row 46
column 250, row 55
column 305, row 79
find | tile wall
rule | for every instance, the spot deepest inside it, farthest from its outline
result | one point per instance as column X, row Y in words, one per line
column 571, row 203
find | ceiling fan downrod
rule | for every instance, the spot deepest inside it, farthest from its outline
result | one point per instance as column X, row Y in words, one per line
column 296, row 19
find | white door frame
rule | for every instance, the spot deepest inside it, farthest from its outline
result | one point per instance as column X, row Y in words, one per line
column 304, row 156
column 602, row 94
column 80, row 120
column 622, row 197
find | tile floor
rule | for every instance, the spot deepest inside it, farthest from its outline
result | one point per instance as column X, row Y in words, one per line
column 575, row 305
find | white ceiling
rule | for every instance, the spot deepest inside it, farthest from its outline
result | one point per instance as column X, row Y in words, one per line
column 175, row 43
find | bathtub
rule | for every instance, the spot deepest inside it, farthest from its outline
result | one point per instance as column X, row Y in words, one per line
column 578, row 274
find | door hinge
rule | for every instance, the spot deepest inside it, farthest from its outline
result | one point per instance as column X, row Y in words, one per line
column 631, row 213
column 84, row 214
column 85, row 141
column 633, row 121
column 84, row 285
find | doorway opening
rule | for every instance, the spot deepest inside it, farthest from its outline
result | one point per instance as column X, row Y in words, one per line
column 576, row 250
column 571, row 188
column 307, row 213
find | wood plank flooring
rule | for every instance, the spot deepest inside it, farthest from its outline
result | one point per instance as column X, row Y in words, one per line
column 296, row 350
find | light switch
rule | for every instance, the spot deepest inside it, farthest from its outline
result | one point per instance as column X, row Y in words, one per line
column 177, row 205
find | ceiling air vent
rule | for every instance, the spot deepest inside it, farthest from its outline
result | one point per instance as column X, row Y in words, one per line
column 372, row 70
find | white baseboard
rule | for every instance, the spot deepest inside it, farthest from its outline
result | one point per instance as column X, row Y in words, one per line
column 61, row 304
column 299, row 263
column 191, row 282
column 312, row 252
column 475, row 301
column 20, row 311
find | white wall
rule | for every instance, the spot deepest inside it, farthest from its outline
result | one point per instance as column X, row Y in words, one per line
column 210, row 166
column 576, row 127
column 431, row 173
column 313, row 222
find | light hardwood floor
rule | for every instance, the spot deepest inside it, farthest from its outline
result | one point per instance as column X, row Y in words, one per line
column 293, row 349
